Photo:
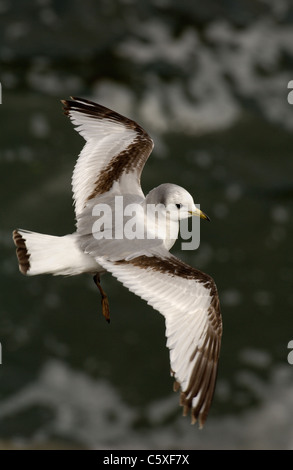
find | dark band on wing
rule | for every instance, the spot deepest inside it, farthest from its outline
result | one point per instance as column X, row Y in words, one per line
column 131, row 159
column 203, row 378
column 172, row 266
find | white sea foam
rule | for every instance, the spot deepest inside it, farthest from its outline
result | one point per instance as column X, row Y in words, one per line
column 90, row 412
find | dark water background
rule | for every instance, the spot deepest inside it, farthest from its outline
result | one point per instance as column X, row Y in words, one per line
column 208, row 80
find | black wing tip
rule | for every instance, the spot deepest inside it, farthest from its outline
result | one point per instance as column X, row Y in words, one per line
column 186, row 403
column 197, row 415
column 99, row 111
column 74, row 103
column 83, row 105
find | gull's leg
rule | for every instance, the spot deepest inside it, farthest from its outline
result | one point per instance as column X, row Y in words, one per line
column 104, row 300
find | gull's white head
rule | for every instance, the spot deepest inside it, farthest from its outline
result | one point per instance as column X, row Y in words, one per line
column 176, row 200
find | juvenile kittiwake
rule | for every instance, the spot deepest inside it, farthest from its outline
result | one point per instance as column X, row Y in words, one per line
column 109, row 167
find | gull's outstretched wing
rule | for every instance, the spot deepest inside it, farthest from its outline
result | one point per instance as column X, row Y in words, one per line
column 116, row 150
column 189, row 301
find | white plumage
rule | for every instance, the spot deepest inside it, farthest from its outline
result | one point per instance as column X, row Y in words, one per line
column 110, row 164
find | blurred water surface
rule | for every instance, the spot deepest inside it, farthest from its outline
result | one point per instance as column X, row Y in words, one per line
column 209, row 83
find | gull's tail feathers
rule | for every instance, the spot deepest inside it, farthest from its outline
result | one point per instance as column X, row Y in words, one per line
column 38, row 253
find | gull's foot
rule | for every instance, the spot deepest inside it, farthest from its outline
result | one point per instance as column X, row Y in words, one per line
column 105, row 308
column 104, row 298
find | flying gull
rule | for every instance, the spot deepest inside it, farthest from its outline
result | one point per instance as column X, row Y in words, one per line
column 110, row 165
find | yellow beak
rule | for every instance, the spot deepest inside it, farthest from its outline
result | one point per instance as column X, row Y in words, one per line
column 200, row 214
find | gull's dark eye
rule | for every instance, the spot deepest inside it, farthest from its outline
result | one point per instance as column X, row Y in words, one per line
column 178, row 206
